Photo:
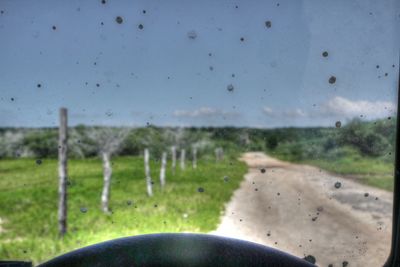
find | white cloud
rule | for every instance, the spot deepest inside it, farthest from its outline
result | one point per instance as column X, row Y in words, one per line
column 203, row 112
column 338, row 107
column 269, row 111
column 295, row 113
column 343, row 107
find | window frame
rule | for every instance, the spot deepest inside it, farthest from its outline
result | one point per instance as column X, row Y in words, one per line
column 394, row 256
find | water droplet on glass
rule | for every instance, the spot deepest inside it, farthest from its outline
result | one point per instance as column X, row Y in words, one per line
column 230, row 88
column 140, row 26
column 119, row 20
column 83, row 209
column 310, row 259
column 338, row 124
column 332, row 79
column 325, row 54
column 338, row 185
column 268, row 24
column 192, row 34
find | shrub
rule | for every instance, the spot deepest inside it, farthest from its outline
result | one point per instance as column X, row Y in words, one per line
column 42, row 143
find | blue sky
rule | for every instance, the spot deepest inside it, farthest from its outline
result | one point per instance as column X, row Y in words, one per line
column 160, row 75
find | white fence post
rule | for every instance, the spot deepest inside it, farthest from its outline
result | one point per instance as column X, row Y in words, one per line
column 107, row 171
column 173, row 152
column 163, row 167
column 147, row 172
column 62, row 172
column 219, row 154
column 183, row 152
column 194, row 157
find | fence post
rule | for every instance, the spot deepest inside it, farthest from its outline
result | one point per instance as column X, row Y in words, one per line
column 183, row 152
column 163, row 167
column 219, row 154
column 173, row 152
column 194, row 157
column 107, row 171
column 147, row 172
column 62, row 171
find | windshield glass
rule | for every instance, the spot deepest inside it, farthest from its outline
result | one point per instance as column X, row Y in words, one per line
column 268, row 121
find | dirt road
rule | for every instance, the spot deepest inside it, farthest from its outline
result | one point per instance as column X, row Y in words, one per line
column 298, row 209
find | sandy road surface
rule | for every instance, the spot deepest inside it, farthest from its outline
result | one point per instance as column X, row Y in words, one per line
column 296, row 208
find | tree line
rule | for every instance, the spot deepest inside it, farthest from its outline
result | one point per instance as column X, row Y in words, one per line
column 373, row 138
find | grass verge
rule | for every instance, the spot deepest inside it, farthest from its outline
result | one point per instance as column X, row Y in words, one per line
column 371, row 171
column 28, row 203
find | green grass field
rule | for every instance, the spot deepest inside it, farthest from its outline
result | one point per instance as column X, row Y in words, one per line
column 368, row 171
column 28, row 203
column 375, row 172
column 28, row 199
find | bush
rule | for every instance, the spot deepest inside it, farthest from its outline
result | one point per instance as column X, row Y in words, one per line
column 43, row 143
column 272, row 142
column 364, row 137
column 11, row 144
column 342, row 152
